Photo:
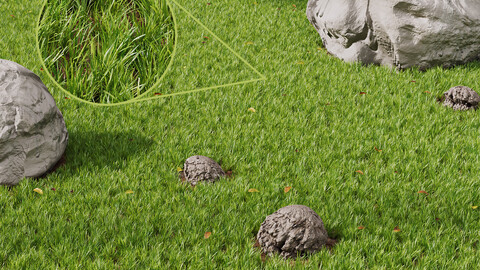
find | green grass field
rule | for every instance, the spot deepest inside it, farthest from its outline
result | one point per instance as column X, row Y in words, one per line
column 312, row 130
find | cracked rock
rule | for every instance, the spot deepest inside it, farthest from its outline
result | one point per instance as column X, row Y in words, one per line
column 201, row 168
column 461, row 98
column 33, row 135
column 399, row 33
column 292, row 229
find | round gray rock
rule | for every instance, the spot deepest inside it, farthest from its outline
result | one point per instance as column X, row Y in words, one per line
column 33, row 135
column 202, row 168
column 461, row 98
column 292, row 229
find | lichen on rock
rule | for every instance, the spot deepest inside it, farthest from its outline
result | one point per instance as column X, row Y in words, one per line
column 461, row 98
column 202, row 168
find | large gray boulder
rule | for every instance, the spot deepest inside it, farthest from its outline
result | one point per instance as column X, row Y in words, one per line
column 399, row 33
column 292, row 229
column 33, row 135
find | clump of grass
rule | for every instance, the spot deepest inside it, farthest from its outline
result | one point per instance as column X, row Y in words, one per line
column 106, row 51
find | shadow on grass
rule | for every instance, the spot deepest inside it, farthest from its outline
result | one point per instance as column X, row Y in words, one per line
column 90, row 151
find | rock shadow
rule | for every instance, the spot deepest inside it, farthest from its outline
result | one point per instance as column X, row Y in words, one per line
column 93, row 150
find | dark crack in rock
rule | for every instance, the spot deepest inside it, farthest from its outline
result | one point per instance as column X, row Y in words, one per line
column 33, row 135
column 202, row 168
column 461, row 98
column 292, row 229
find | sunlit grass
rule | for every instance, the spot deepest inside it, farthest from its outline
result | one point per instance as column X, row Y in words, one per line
column 106, row 51
column 311, row 130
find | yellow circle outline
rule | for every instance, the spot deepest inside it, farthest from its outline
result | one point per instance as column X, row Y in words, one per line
column 136, row 99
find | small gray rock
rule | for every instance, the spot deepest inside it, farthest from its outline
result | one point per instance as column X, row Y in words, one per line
column 33, row 135
column 201, row 168
column 461, row 98
column 292, row 229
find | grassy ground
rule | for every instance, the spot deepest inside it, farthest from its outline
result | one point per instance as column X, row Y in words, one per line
column 312, row 130
column 106, row 51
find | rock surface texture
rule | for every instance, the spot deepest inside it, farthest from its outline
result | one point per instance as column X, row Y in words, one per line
column 461, row 98
column 33, row 135
column 201, row 168
column 399, row 33
column 292, row 229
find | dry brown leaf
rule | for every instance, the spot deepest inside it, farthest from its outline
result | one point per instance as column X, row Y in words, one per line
column 207, row 235
column 423, row 192
column 396, row 229
column 378, row 150
column 363, row 93
column 253, row 190
column 287, row 189
column 361, row 227
column 360, row 172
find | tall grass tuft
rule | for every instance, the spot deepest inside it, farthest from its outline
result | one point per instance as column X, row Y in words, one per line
column 106, row 51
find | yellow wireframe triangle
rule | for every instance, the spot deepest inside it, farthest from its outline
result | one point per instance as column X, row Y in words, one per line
column 261, row 76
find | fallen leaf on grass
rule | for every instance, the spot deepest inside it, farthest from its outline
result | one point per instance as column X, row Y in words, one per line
column 396, row 229
column 361, row 227
column 207, row 235
column 428, row 92
column 413, row 81
column 251, row 110
column 363, row 93
column 253, row 190
column 300, row 63
column 39, row 191
column 67, row 98
column 129, row 191
column 54, row 189
column 179, row 169
column 360, row 172
column 287, row 189
column 423, row 192
column 157, row 94
column 474, row 207
column 249, row 43
column 376, row 149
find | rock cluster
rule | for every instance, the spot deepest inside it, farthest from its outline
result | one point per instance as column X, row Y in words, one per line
column 202, row 168
column 399, row 33
column 461, row 98
column 290, row 230
column 33, row 135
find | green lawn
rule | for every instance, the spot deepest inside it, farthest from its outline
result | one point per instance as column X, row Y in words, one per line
column 312, row 130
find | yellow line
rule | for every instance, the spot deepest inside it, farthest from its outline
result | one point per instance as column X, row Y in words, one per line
column 202, row 89
column 219, row 39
